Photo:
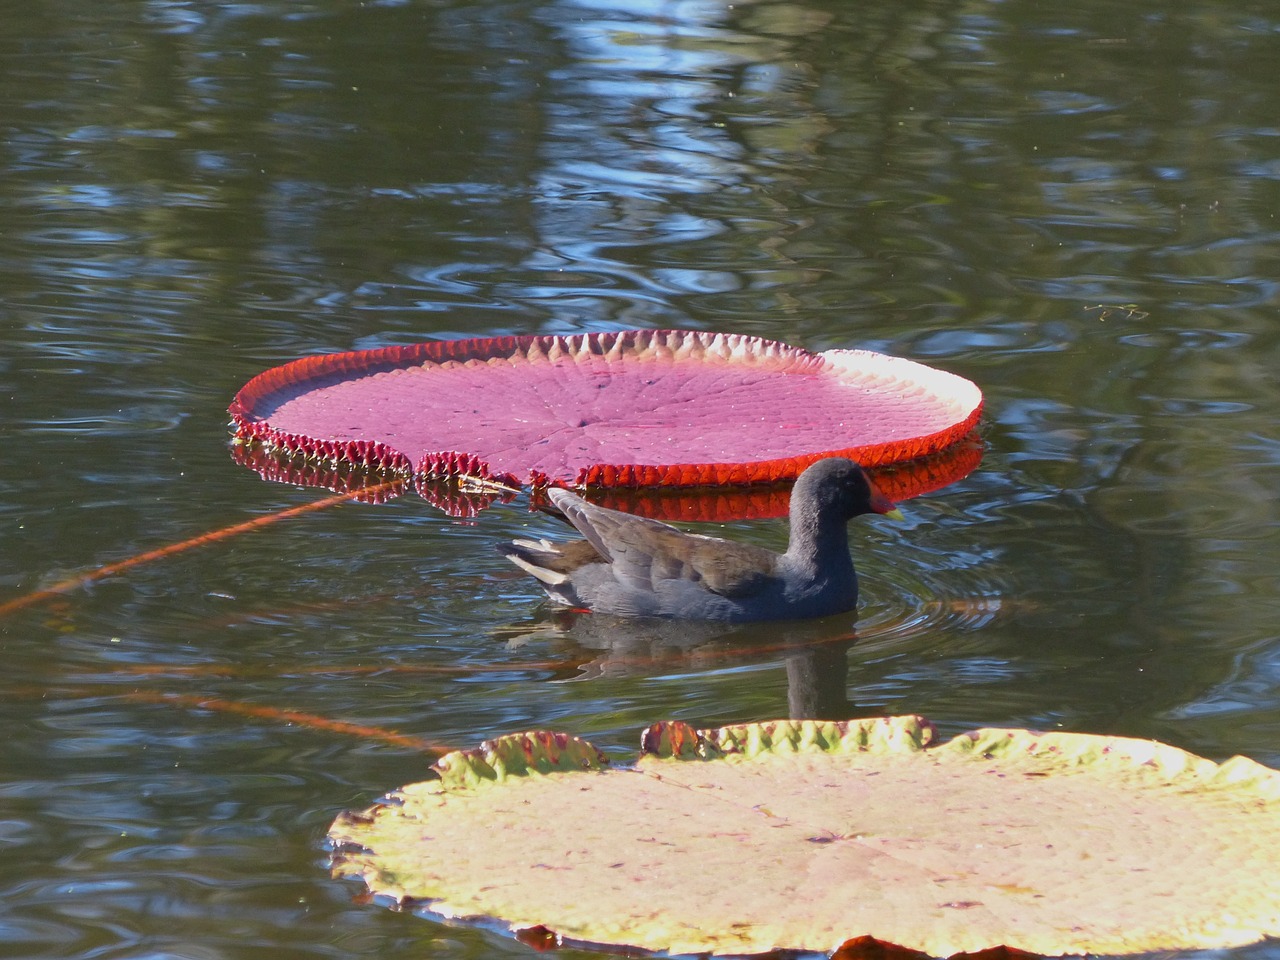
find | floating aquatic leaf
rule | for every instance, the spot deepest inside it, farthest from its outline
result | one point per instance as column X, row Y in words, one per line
column 805, row 835
column 459, row 496
column 639, row 408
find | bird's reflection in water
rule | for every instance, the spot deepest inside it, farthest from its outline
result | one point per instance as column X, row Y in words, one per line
column 598, row 645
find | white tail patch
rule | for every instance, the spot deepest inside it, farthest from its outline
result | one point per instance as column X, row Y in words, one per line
column 543, row 546
column 549, row 577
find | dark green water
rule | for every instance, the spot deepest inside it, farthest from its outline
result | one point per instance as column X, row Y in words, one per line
column 1073, row 205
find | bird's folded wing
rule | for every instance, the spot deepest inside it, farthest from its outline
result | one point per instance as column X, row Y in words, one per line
column 644, row 552
column 734, row 570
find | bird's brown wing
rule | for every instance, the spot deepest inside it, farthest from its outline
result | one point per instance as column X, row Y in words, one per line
column 643, row 552
column 732, row 569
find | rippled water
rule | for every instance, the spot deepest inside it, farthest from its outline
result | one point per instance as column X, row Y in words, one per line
column 1075, row 207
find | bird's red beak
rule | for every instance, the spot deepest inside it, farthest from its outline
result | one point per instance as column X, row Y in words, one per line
column 879, row 503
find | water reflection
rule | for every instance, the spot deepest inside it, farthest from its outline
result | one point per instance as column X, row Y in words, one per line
column 194, row 193
column 814, row 652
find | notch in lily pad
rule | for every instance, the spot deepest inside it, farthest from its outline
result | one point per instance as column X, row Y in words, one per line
column 820, row 837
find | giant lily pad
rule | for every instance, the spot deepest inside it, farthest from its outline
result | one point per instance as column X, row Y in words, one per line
column 459, row 497
column 801, row 835
column 639, row 408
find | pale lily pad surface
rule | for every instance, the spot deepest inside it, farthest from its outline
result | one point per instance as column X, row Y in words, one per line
column 800, row 835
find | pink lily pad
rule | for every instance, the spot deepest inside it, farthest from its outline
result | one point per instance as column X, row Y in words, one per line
column 632, row 409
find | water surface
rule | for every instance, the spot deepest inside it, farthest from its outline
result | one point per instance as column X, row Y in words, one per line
column 1074, row 207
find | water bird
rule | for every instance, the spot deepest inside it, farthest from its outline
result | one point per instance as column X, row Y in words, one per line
column 632, row 566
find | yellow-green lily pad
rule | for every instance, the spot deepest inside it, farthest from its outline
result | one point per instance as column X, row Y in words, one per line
column 800, row 835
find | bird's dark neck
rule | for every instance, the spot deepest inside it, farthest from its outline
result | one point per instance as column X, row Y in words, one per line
column 819, row 542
